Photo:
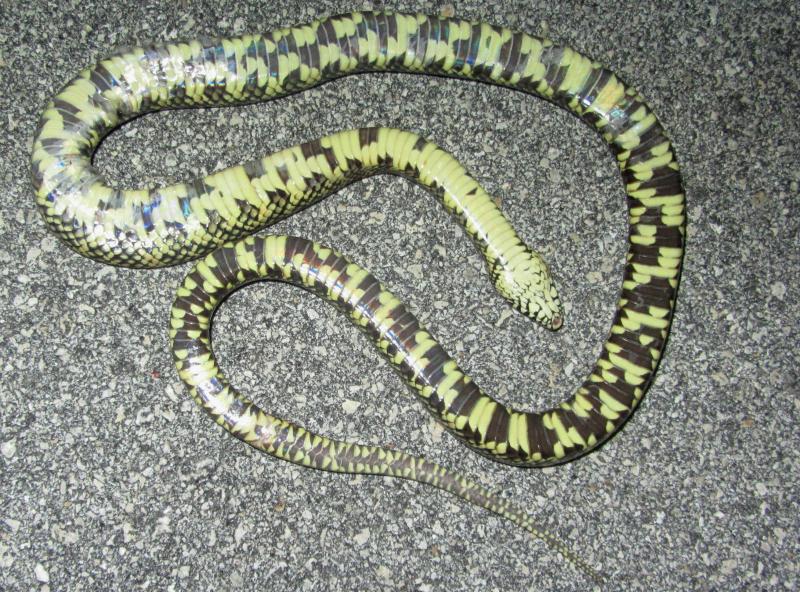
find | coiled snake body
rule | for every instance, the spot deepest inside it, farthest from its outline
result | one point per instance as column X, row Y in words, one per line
column 166, row 225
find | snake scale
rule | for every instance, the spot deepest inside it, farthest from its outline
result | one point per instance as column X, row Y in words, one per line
column 159, row 226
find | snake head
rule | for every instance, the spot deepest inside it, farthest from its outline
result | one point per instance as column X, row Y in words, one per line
column 525, row 281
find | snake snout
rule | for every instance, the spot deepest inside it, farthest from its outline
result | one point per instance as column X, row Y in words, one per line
column 526, row 282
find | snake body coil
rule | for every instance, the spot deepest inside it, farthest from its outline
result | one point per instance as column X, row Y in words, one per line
column 165, row 225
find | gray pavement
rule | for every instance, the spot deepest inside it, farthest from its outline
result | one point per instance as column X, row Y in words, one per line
column 112, row 479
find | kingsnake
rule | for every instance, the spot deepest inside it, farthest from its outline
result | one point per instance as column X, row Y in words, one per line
column 166, row 225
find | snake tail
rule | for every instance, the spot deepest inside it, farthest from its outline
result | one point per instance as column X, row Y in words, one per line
column 392, row 327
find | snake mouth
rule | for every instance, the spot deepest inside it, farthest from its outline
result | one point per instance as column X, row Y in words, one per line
column 557, row 322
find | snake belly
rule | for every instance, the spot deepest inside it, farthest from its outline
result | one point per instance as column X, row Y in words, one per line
column 157, row 226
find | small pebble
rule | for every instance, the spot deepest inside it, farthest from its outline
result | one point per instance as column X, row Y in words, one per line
column 41, row 574
column 350, row 406
column 362, row 537
column 8, row 448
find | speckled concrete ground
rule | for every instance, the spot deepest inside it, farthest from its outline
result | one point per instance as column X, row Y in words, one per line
column 111, row 479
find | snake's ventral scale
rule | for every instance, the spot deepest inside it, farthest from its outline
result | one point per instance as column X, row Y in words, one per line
column 159, row 226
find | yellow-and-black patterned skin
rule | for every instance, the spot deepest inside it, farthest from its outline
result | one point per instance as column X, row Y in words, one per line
column 164, row 225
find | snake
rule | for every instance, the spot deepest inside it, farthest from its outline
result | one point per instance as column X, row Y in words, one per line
column 213, row 221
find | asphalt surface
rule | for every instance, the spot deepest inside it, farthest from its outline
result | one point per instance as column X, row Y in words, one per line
column 112, row 479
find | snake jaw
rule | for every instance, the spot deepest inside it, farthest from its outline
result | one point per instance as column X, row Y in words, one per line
column 527, row 284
